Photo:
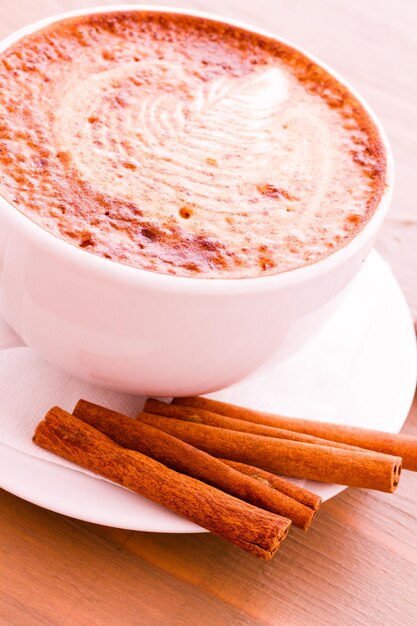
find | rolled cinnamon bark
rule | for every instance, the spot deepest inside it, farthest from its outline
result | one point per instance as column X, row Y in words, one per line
column 355, row 468
column 251, row 528
column 202, row 416
column 396, row 444
column 182, row 457
column 310, row 499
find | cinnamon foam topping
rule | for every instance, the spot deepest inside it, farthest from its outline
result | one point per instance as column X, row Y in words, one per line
column 184, row 146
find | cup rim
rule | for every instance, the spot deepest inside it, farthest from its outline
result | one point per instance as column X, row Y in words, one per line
column 135, row 276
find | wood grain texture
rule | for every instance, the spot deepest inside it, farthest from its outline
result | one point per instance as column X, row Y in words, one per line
column 357, row 565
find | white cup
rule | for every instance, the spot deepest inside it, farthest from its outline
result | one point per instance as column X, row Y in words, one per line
column 155, row 334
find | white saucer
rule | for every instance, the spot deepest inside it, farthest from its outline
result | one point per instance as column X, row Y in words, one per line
column 377, row 393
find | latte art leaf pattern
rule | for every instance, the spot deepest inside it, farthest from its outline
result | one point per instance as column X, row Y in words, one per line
column 174, row 145
column 142, row 126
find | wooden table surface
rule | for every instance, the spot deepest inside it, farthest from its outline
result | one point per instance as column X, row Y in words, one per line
column 358, row 563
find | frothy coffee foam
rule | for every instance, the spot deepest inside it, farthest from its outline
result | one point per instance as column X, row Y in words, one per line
column 169, row 145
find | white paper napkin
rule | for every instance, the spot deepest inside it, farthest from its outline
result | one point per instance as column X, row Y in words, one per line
column 308, row 385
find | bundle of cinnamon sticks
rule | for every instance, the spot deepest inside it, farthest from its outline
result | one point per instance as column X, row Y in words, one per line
column 217, row 463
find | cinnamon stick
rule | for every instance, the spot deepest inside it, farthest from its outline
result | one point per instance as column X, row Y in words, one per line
column 203, row 416
column 251, row 528
column 396, row 444
column 182, row 457
column 310, row 499
column 355, row 468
